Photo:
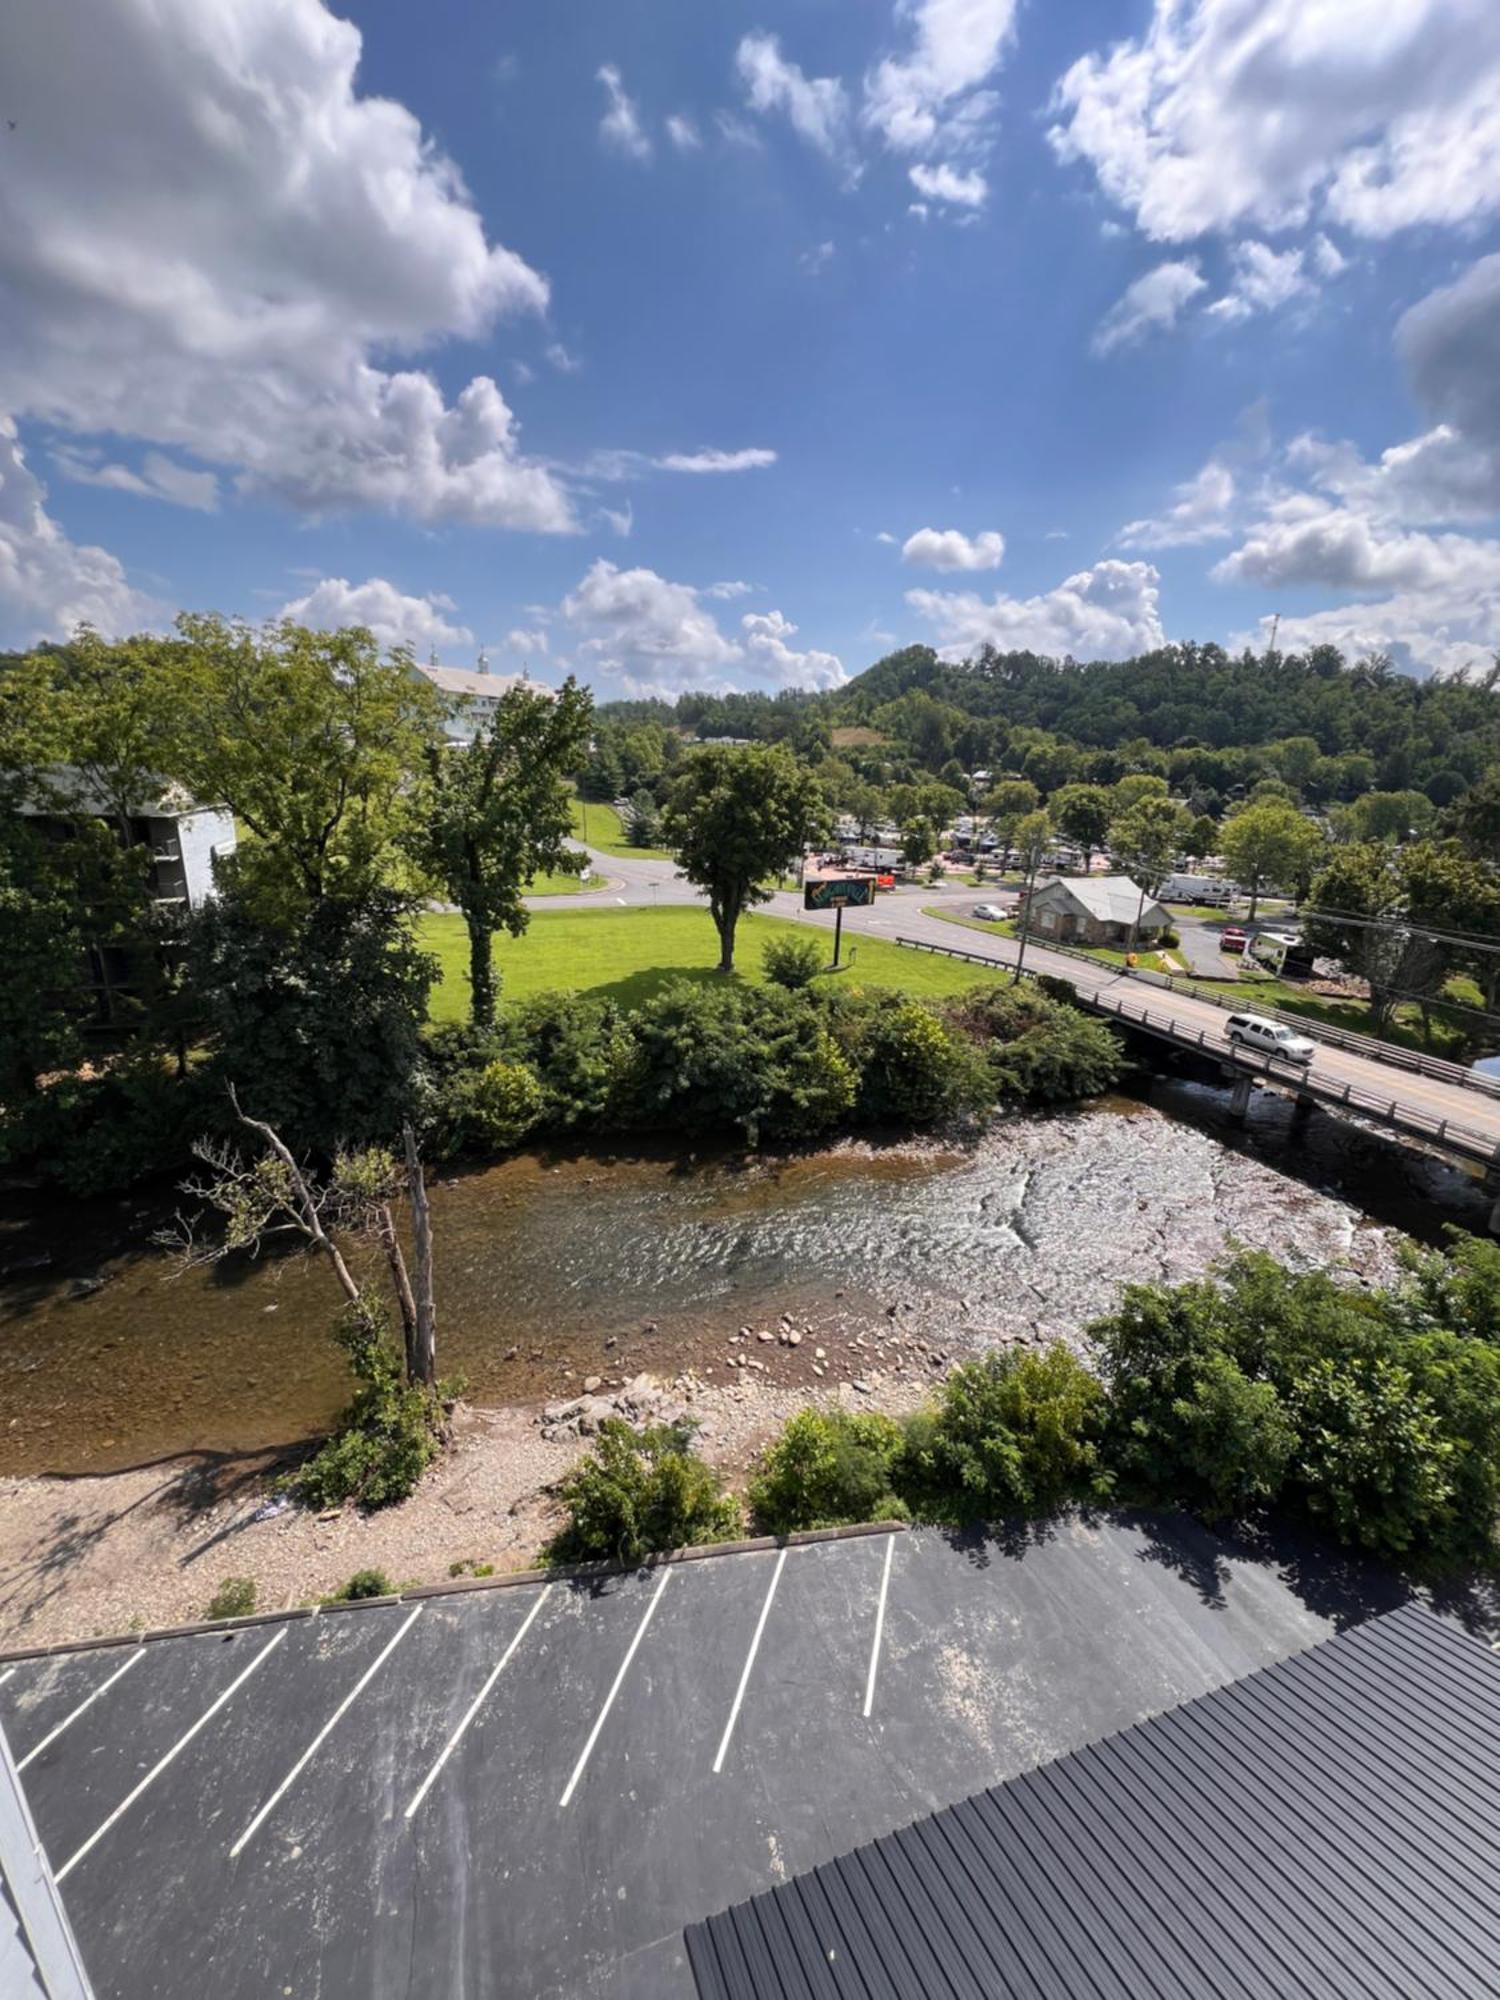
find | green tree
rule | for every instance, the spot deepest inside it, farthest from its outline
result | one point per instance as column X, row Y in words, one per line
column 918, row 841
column 1082, row 814
column 1202, row 838
column 1145, row 840
column 1266, row 843
column 1007, row 804
column 495, row 812
column 1397, row 816
column 737, row 820
column 311, row 739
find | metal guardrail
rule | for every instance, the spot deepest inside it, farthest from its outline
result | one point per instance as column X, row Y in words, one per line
column 1370, row 1046
column 1443, row 1132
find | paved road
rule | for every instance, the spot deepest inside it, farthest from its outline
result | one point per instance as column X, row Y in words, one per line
column 524, row 1793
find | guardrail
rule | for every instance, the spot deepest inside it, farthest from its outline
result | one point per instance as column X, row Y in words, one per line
column 1441, row 1132
column 1369, row 1046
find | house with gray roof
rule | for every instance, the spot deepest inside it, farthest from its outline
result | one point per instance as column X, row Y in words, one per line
column 1095, row 910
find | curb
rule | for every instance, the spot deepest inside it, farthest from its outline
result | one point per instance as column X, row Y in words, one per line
column 461, row 1586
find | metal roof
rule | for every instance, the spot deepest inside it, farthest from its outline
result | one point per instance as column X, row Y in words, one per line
column 1329, row 1826
column 1110, row 899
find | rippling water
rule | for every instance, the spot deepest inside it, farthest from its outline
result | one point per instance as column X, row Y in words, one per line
column 541, row 1259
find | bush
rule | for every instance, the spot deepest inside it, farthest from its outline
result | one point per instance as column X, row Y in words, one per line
column 386, row 1438
column 505, row 1104
column 1168, row 939
column 792, row 962
column 1014, row 1434
column 364, row 1583
column 1065, row 1058
column 825, row 1469
column 641, row 1494
column 912, row 1069
column 234, row 1598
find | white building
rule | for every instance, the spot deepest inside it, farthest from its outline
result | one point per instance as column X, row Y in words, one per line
column 472, row 696
column 184, row 839
column 1094, row 910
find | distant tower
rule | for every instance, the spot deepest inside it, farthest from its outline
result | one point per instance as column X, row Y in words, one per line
column 482, row 664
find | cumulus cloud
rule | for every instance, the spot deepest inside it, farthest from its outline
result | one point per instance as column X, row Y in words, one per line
column 930, row 96
column 1429, row 632
column 1302, row 543
column 945, row 183
column 1373, row 115
column 731, row 587
column 709, row 460
column 1449, row 344
column 1199, row 513
column 620, row 128
column 817, row 107
column 48, row 584
column 1104, row 613
column 214, row 244
column 1153, row 303
column 766, row 635
column 655, row 636
column 948, row 549
column 519, row 640
column 1263, row 280
column 395, row 618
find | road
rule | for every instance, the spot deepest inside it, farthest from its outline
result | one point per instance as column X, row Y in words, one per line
column 636, row 883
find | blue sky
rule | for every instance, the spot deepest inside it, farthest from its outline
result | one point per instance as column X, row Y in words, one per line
column 693, row 346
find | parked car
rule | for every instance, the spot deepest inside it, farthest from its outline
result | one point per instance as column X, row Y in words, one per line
column 1272, row 1038
column 1233, row 937
column 990, row 913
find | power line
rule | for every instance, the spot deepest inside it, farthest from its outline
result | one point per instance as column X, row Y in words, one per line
column 1464, row 940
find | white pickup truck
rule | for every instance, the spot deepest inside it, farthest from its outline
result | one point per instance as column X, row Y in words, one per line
column 1272, row 1038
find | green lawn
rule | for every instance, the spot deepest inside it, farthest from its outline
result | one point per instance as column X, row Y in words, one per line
column 631, row 954
column 562, row 885
column 1005, row 930
column 599, row 826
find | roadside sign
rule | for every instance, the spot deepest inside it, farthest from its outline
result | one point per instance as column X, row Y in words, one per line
column 838, row 892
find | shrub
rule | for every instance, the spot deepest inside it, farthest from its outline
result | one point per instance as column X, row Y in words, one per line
column 912, row 1069
column 827, row 1468
column 1372, row 1461
column 1168, row 939
column 792, row 962
column 1014, row 1434
column 640, row 1494
column 1065, row 1058
column 364, row 1583
column 386, row 1438
column 505, row 1104
column 234, row 1598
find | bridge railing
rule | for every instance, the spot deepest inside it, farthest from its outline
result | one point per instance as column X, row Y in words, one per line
column 1370, row 1046
column 1419, row 1124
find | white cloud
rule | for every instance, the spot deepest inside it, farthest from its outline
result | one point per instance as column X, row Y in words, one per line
column 621, row 519
column 766, row 634
column 158, row 478
column 1104, row 613
column 620, row 128
column 730, row 589
column 395, row 618
column 1199, row 513
column 948, row 549
column 1374, row 114
column 885, row 535
column 930, row 97
column 560, row 358
column 654, row 636
column 1449, row 341
column 816, row 106
column 1302, row 543
column 48, row 584
column 1425, row 632
column 683, row 133
column 816, row 260
column 1154, row 301
column 945, row 183
column 1263, row 280
column 213, row 244
column 709, row 460
column 1328, row 257
column 518, row 640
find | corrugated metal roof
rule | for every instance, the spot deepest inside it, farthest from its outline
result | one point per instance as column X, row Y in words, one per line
column 1110, row 899
column 1326, row 1829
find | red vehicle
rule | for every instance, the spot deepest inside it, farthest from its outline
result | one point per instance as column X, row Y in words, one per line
column 1233, row 938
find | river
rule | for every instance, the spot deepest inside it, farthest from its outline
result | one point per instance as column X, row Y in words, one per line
column 551, row 1267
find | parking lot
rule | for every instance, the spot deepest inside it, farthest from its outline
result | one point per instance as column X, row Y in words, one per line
column 529, row 1790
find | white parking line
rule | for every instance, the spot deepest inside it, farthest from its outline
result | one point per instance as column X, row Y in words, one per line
column 6, row 1676
column 475, row 1705
column 609, row 1700
column 739, row 1693
column 352, row 1696
column 885, row 1584
column 180, row 1745
column 68, row 1720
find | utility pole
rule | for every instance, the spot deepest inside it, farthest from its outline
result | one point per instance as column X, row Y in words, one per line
column 1275, row 628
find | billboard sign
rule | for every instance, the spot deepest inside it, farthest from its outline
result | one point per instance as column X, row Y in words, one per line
column 838, row 892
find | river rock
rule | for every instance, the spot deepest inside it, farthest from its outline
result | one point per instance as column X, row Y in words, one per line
column 591, row 1383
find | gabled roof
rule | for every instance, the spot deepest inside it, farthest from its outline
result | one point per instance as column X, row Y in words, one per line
column 1111, row 899
column 1325, row 1828
column 462, row 682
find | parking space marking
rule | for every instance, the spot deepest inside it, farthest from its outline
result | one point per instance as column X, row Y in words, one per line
column 476, row 1704
column 885, row 1584
column 88, row 1702
column 619, row 1681
column 349, row 1699
column 6, row 1676
column 177, row 1748
column 739, row 1693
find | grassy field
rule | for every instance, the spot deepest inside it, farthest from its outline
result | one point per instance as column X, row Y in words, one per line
column 631, row 954
column 599, row 826
column 560, row 885
column 1005, row 930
